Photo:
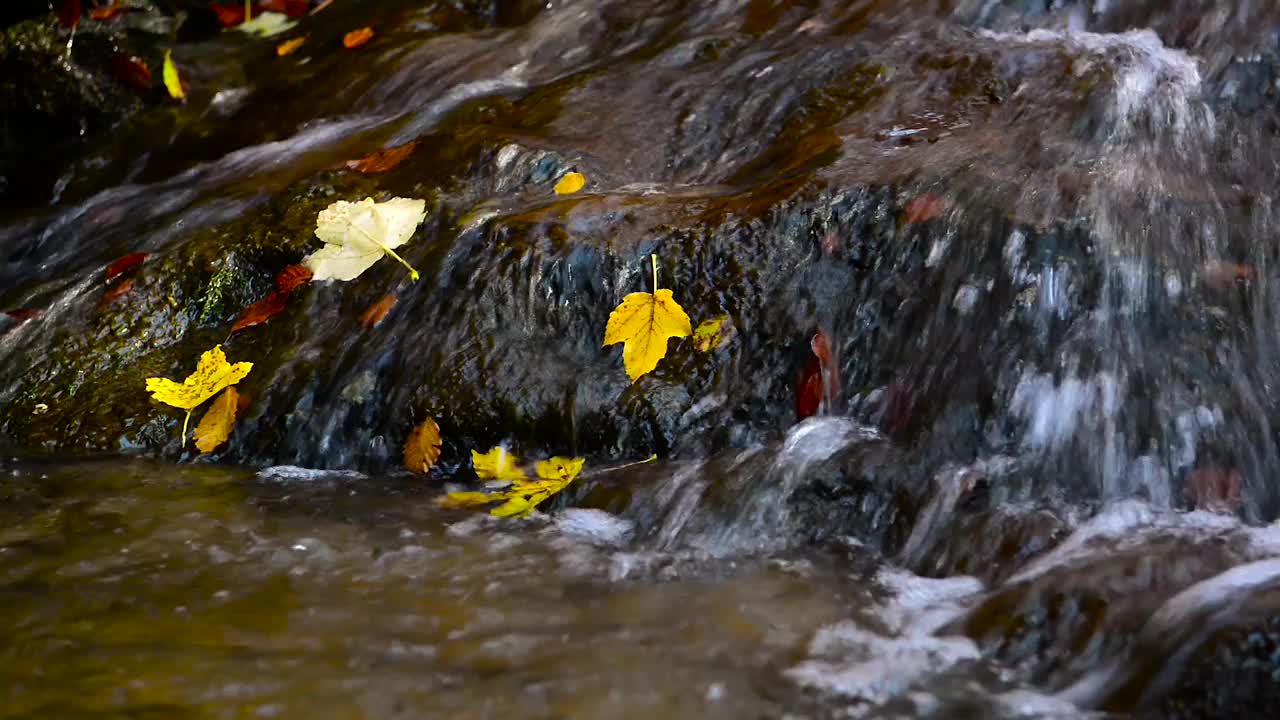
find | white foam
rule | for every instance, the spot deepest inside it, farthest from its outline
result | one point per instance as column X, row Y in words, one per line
column 294, row 473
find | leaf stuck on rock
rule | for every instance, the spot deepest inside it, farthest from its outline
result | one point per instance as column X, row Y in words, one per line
column 356, row 38
column 380, row 161
column 215, row 427
column 422, row 448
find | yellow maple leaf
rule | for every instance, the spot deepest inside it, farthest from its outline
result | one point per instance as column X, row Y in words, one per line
column 570, row 183
column 554, row 475
column 172, row 82
column 215, row 427
column 213, row 373
column 645, row 322
column 497, row 464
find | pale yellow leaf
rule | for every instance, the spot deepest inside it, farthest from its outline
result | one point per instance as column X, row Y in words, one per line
column 357, row 235
column 645, row 322
column 215, row 426
column 265, row 24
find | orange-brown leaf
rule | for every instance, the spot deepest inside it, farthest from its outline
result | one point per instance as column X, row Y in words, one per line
column 23, row 314
column 422, row 449
column 108, row 12
column 924, row 207
column 293, row 277
column 215, row 426
column 131, row 71
column 287, row 47
column 68, row 12
column 373, row 314
column 115, row 292
column 260, row 312
column 123, row 265
column 380, row 161
column 356, row 38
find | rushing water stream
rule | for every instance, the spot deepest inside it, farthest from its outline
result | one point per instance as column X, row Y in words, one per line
column 1026, row 245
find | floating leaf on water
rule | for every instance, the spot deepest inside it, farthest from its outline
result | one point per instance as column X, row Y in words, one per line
column 172, row 82
column 293, row 277
column 559, row 468
column 115, row 292
column 422, row 448
column 497, row 464
column 357, row 235
column 212, row 374
column 380, row 161
column 554, row 475
column 267, row 24
column 287, row 47
column 924, row 207
column 106, row 13
column 215, row 427
column 644, row 322
column 374, row 314
column 260, row 312
column 707, row 336
column 569, row 183
column 356, row 38
column 68, row 12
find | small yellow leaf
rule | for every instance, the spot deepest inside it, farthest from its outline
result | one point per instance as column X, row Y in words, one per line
column 570, row 183
column 560, row 468
column 497, row 464
column 707, row 337
column 464, row 499
column 422, row 449
column 213, row 373
column 287, row 47
column 172, row 82
column 644, row 323
column 215, row 426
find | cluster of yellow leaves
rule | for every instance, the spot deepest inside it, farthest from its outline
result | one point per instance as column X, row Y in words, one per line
column 213, row 373
column 522, row 494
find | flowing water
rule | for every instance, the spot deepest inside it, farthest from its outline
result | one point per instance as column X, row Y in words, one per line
column 1026, row 247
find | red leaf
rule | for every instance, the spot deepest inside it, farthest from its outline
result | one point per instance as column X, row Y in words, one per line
column 292, row 277
column 23, row 314
column 131, row 71
column 819, row 381
column 924, row 207
column 382, row 160
column 124, row 265
column 115, row 292
column 106, row 13
column 356, row 38
column 228, row 15
column 1213, row 488
column 260, row 312
column 68, row 12
column 375, row 312
column 292, row 8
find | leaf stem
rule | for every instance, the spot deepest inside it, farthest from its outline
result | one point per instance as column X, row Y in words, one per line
column 654, row 258
column 248, row 9
column 413, row 274
column 185, row 420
